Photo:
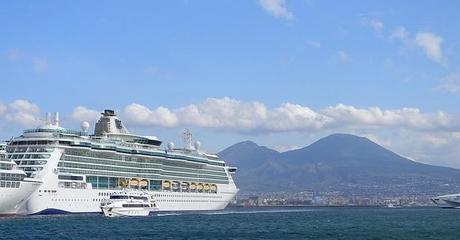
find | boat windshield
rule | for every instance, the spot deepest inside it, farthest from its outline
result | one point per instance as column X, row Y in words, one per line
column 135, row 205
column 139, row 198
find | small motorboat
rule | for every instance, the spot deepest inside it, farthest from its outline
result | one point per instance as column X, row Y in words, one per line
column 129, row 203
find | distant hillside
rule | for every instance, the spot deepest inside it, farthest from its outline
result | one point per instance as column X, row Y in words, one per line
column 340, row 162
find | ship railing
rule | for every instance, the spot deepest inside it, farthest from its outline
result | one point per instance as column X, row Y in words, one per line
column 63, row 131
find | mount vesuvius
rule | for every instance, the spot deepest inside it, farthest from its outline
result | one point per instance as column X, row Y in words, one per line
column 340, row 162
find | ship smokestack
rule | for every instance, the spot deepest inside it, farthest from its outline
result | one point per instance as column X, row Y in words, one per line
column 48, row 118
column 56, row 119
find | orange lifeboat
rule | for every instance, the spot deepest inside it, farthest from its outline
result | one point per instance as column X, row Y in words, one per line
column 166, row 184
column 144, row 183
column 134, row 182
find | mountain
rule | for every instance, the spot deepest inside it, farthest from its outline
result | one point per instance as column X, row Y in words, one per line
column 340, row 162
column 248, row 154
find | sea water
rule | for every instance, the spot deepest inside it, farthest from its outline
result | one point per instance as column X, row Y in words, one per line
column 246, row 223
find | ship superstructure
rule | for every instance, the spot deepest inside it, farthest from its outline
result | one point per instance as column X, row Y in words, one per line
column 79, row 170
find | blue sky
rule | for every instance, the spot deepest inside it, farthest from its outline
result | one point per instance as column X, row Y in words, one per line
column 281, row 73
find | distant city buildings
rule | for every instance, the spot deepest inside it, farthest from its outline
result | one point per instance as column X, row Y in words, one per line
column 310, row 198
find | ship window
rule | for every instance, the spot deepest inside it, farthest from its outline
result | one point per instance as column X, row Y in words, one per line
column 118, row 124
column 139, row 198
column 113, row 182
column 118, row 197
column 155, row 185
column 92, row 180
column 103, row 182
column 68, row 177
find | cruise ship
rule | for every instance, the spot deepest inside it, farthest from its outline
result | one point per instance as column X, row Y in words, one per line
column 79, row 170
column 15, row 188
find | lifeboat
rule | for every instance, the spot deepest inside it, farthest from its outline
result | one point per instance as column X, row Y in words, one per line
column 200, row 186
column 123, row 183
column 144, row 183
column 166, row 184
column 193, row 186
column 184, row 186
column 214, row 188
column 134, row 182
column 175, row 185
column 206, row 187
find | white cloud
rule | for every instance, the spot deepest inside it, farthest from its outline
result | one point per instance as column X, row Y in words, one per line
column 285, row 148
column 277, row 8
column 400, row 33
column 429, row 42
column 228, row 113
column 377, row 139
column 223, row 113
column 2, row 108
column 40, row 65
column 253, row 116
column 343, row 56
column 23, row 106
column 431, row 45
column 439, row 148
column 142, row 115
column 427, row 137
column 450, row 84
column 375, row 24
column 456, row 135
column 413, row 118
column 290, row 117
column 20, row 112
column 81, row 114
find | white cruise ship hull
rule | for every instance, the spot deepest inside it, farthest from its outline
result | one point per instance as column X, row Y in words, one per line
column 64, row 201
column 12, row 199
column 52, row 199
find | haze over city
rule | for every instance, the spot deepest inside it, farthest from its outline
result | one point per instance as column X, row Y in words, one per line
column 280, row 73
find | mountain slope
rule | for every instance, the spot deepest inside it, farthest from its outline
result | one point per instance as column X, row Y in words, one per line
column 339, row 162
column 248, row 154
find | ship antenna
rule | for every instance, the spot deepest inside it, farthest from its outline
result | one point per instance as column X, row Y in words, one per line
column 187, row 138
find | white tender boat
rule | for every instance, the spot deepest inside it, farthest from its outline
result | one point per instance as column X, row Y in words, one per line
column 129, row 203
column 447, row 201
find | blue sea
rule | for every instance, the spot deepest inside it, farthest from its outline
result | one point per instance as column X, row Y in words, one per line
column 246, row 223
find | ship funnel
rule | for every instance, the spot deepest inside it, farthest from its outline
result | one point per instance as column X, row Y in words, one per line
column 56, row 119
column 48, row 118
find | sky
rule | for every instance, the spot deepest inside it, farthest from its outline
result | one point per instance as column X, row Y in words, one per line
column 282, row 73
